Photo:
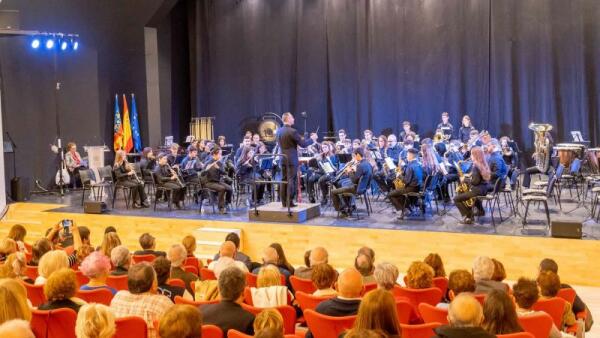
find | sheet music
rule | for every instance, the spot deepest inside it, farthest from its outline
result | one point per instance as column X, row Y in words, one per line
column 390, row 163
column 327, row 167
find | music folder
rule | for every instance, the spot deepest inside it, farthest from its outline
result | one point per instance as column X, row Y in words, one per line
column 390, row 163
column 327, row 167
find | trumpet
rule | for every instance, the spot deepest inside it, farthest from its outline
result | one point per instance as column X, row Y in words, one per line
column 346, row 168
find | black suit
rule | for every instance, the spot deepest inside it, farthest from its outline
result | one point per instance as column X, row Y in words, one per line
column 228, row 315
column 289, row 139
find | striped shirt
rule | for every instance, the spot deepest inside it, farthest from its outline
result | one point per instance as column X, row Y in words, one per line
column 147, row 306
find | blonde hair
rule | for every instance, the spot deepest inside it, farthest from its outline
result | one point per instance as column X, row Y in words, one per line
column 13, row 298
column 7, row 246
column 110, row 241
column 181, row 321
column 268, row 276
column 268, row 318
column 13, row 265
column 62, row 284
column 377, row 311
column 419, row 276
column 95, row 321
column 52, row 261
column 17, row 232
column 189, row 242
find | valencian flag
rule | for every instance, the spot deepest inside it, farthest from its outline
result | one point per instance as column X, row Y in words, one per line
column 135, row 126
column 127, row 140
column 118, row 127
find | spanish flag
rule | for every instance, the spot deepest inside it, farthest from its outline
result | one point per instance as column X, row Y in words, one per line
column 118, row 127
column 127, row 139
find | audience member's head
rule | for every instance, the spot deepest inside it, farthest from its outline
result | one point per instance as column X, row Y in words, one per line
column 232, row 282
column 365, row 250
column 386, row 275
column 189, row 242
column 95, row 266
column 120, row 256
column 350, row 283
column 460, row 281
column 95, row 321
column 549, row 283
column 435, row 262
column 83, row 251
column 177, row 255
column 281, row 258
column 270, row 256
column 61, row 285
column 234, row 238
column 17, row 233
column 14, row 266
column 526, row 293
column 40, row 247
column 499, row 272
column 268, row 319
column 465, row 311
column 110, row 241
column 323, row 276
column 419, row 276
column 268, row 275
column 318, row 255
column 227, row 249
column 7, row 246
column 269, row 333
column 377, row 311
column 52, row 261
column 499, row 314
column 362, row 333
column 13, row 297
column 548, row 264
column 84, row 234
column 181, row 321
column 141, row 278
column 364, row 264
column 483, row 268
column 110, row 228
column 162, row 267
column 307, row 258
column 16, row 328
column 147, row 241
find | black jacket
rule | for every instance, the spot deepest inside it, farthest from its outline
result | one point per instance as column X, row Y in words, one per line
column 228, row 315
column 289, row 139
column 336, row 307
column 151, row 252
column 462, row 332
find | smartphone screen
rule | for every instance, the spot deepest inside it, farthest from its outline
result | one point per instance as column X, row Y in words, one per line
column 66, row 223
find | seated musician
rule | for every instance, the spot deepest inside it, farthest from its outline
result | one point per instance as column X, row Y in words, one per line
column 246, row 142
column 393, row 148
column 221, row 141
column 191, row 166
column 327, row 156
column 169, row 179
column 216, row 178
column 542, row 160
column 202, row 150
column 247, row 171
column 172, row 156
column 148, row 161
column 341, row 143
column 255, row 141
column 510, row 154
column 74, row 163
column 367, row 141
column 315, row 147
column 317, row 171
column 445, row 126
column 126, row 176
column 498, row 167
column 359, row 175
column 381, row 150
column 412, row 178
column 433, row 165
column 406, row 130
column 480, row 176
column 409, row 143
column 464, row 133
column 356, row 143
column 439, row 143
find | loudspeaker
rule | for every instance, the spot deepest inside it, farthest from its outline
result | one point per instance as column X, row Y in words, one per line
column 94, row 207
column 566, row 229
column 16, row 190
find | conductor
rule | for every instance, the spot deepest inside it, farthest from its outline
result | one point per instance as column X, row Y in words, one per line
column 289, row 139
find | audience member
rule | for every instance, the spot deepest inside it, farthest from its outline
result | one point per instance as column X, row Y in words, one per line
column 60, row 291
column 317, row 256
column 459, row 281
column 121, row 260
column 50, row 262
column 307, row 258
column 499, row 272
column 269, row 333
column 346, row 303
column 81, row 253
column 271, row 257
column 237, row 255
column 13, row 297
column 365, row 250
column 269, row 291
column 419, row 276
column 148, row 244
column 364, row 264
column 228, row 313
column 7, row 247
column 162, row 266
column 386, row 274
column 189, row 242
column 39, row 248
column 96, row 267
column 465, row 317
column 324, row 277
column 483, row 271
column 17, row 233
column 361, row 333
column 435, row 262
column 499, row 314
column 177, row 255
column 15, row 267
column 282, row 261
column 95, row 321
column 110, row 241
column 268, row 319
column 84, row 234
column 377, row 311
column 110, row 228
column 16, row 328
column 225, row 260
column 549, row 285
column 141, row 300
column 181, row 321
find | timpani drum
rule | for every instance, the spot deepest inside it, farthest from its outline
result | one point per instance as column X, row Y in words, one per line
column 592, row 156
column 567, row 152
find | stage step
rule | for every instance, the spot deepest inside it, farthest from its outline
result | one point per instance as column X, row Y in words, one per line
column 274, row 212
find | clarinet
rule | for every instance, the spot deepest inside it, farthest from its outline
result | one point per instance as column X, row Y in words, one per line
column 179, row 181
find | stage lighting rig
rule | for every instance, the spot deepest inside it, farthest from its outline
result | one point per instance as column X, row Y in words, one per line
column 60, row 41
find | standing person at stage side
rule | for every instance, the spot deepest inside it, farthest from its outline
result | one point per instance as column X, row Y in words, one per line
column 289, row 139
column 464, row 133
column 214, row 179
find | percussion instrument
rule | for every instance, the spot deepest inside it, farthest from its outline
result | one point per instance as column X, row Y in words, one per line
column 593, row 158
column 567, row 152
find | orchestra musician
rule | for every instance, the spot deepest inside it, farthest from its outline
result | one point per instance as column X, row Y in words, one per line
column 172, row 156
column 314, row 148
column 246, row 142
column 368, row 139
column 406, row 130
column 412, row 178
column 74, row 163
column 169, row 178
column 318, row 176
column 510, row 154
column 445, row 126
column 221, row 141
column 409, row 143
column 480, row 176
column 498, row 167
column 359, row 174
column 191, row 166
column 289, row 139
column 546, row 148
column 451, row 158
column 148, row 160
column 126, row 176
column 247, row 170
column 216, row 177
column 255, row 140
column 464, row 133
column 433, row 165
column 393, row 148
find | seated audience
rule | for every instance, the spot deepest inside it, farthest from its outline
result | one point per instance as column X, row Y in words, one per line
column 141, row 300
column 15, row 267
column 189, row 243
column 110, row 241
column 269, row 333
column 526, row 294
column 386, row 274
column 324, row 277
column 225, row 260
column 483, row 270
column 549, row 285
column 499, row 271
column 50, row 262
column 95, row 321
column 177, row 255
column 360, row 333
column 16, row 328
column 238, row 255
column 282, row 261
column 435, row 262
column 465, row 317
column 499, row 314
column 110, row 228
column 148, row 244
column 13, row 297
column 268, row 319
column 162, row 266
column 121, row 260
column 419, row 276
column 307, row 258
column 269, row 291
column 364, row 264
column 459, row 281
column 181, row 321
column 84, row 235
column 17, row 233
column 228, row 313
column 270, row 257
column 96, row 267
column 60, row 291
column 39, row 248
column 317, row 256
column 7, row 247
column 346, row 303
column 377, row 311
column 81, row 253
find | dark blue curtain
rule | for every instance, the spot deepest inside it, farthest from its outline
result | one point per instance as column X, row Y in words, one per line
column 373, row 64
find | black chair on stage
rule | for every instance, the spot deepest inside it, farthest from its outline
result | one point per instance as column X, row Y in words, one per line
column 540, row 196
column 165, row 192
column 492, row 199
column 507, row 191
column 96, row 189
column 573, row 178
column 209, row 194
column 116, row 186
column 149, row 182
column 427, row 192
column 364, row 196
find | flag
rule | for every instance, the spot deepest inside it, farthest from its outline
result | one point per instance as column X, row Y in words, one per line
column 127, row 141
column 135, row 126
column 118, row 127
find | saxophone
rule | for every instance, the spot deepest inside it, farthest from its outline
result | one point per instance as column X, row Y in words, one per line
column 462, row 186
column 398, row 182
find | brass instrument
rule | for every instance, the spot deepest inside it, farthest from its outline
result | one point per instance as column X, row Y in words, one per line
column 462, row 185
column 438, row 137
column 398, row 182
column 542, row 145
column 346, row 168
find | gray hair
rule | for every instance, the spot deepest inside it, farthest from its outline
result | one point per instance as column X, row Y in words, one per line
column 119, row 256
column 386, row 275
column 140, row 278
column 232, row 282
column 483, row 268
column 465, row 311
column 177, row 255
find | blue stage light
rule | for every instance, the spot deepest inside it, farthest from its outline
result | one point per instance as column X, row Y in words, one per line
column 63, row 45
column 75, row 44
column 50, row 43
column 35, row 43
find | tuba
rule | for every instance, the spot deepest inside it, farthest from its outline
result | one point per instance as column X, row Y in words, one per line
column 542, row 145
